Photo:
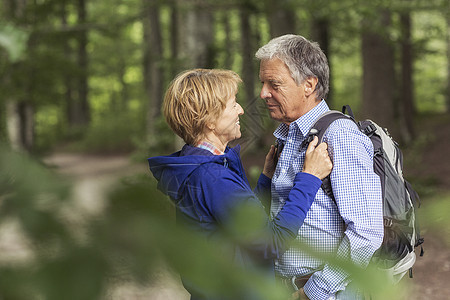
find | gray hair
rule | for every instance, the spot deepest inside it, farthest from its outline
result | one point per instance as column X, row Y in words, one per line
column 304, row 59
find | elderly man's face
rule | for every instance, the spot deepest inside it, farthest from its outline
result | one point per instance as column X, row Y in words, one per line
column 285, row 100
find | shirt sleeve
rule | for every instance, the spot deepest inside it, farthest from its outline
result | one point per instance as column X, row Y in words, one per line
column 357, row 191
column 227, row 197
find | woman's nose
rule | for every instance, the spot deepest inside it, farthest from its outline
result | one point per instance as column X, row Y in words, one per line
column 241, row 110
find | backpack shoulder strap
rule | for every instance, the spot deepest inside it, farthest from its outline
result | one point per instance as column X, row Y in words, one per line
column 319, row 128
column 323, row 122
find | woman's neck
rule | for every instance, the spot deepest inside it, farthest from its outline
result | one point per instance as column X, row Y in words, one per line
column 214, row 142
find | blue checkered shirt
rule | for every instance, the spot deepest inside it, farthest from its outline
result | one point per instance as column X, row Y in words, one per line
column 350, row 228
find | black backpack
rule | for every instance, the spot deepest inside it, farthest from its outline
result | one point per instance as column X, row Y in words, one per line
column 401, row 231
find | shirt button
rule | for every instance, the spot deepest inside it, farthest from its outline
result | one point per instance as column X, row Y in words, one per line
column 290, row 140
column 283, row 171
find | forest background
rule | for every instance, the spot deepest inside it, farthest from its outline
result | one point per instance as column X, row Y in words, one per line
column 88, row 77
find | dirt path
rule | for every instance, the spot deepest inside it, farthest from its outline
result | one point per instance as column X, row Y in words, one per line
column 93, row 175
column 432, row 271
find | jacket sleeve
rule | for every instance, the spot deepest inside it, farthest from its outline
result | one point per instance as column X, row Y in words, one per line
column 263, row 191
column 237, row 210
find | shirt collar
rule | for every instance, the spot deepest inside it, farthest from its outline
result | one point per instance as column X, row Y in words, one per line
column 304, row 123
column 210, row 147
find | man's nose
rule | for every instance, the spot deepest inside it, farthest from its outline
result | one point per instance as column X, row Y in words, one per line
column 265, row 93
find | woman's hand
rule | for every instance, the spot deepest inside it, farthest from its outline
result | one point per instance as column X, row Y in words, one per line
column 317, row 160
column 270, row 163
column 299, row 295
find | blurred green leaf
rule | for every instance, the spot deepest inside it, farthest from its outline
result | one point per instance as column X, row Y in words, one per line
column 14, row 41
column 433, row 216
column 136, row 235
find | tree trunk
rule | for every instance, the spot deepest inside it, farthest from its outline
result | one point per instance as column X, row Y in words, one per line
column 19, row 112
column 196, row 34
column 253, row 125
column 228, row 63
column 448, row 61
column 3, row 123
column 378, row 74
column 15, row 8
column 26, row 117
column 406, row 109
column 281, row 17
column 174, row 38
column 153, row 73
column 194, row 26
column 124, row 92
column 320, row 33
column 78, row 110
column 69, row 104
column 83, row 88
column 248, row 69
column 20, row 125
column 13, row 125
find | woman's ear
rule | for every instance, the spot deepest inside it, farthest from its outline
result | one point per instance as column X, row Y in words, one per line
column 310, row 85
column 211, row 126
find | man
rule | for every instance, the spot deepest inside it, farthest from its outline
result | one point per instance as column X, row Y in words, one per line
column 294, row 74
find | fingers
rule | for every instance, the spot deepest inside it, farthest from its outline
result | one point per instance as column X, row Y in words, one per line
column 312, row 144
column 322, row 146
column 271, row 152
column 317, row 160
column 270, row 164
column 274, row 151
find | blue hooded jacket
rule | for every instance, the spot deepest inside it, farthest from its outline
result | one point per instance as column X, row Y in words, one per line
column 208, row 189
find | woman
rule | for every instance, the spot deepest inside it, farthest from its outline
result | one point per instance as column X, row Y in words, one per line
column 206, row 179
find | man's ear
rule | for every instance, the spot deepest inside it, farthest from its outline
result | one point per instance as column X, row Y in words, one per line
column 310, row 85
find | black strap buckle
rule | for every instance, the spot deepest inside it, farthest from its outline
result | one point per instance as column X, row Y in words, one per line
column 369, row 130
column 311, row 134
column 387, row 222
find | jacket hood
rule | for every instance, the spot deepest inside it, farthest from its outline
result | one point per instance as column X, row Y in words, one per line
column 172, row 171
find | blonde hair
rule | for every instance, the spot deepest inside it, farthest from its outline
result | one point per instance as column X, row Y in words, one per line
column 196, row 98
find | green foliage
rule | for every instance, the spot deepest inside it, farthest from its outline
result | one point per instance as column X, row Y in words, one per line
column 50, row 128
column 433, row 215
column 146, row 232
column 253, row 174
column 112, row 134
column 346, row 81
column 417, row 171
column 163, row 139
column 136, row 232
column 32, row 194
column 431, row 53
column 13, row 40
column 49, row 71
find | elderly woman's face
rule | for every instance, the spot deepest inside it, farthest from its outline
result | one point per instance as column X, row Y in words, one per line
column 227, row 125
